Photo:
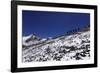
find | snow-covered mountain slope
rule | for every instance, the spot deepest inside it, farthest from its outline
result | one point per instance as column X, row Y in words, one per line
column 64, row 48
column 30, row 40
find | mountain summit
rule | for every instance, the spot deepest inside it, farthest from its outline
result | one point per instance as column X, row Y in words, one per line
column 31, row 39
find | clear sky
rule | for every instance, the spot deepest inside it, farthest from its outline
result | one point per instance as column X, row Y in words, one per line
column 50, row 24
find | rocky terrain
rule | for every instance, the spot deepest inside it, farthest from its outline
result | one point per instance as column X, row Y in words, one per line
column 74, row 46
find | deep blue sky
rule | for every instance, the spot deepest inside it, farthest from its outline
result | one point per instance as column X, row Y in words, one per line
column 50, row 24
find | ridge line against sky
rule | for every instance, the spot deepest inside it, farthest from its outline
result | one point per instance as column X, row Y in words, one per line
column 51, row 24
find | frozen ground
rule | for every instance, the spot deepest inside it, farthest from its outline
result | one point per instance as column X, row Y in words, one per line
column 75, row 46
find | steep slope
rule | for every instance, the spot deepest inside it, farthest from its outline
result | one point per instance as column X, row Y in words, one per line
column 64, row 48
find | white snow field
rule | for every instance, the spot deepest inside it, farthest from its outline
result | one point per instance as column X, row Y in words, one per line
column 75, row 46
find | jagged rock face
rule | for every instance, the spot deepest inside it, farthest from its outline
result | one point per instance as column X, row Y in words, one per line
column 64, row 48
